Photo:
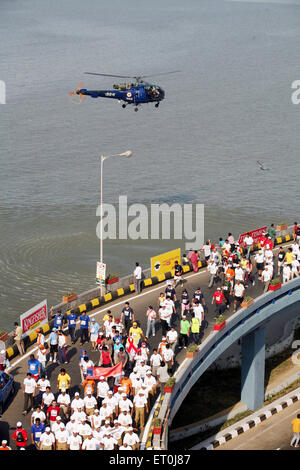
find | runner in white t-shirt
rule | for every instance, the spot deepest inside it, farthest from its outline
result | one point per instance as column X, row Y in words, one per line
column 75, row 441
column 238, row 290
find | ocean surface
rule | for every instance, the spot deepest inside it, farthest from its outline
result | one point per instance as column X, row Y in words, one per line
column 228, row 107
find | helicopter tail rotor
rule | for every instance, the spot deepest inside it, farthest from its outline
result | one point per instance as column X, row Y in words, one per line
column 76, row 92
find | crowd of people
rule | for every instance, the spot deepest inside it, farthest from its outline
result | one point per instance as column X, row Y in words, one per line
column 110, row 413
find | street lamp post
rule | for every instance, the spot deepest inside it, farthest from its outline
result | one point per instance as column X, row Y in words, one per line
column 104, row 157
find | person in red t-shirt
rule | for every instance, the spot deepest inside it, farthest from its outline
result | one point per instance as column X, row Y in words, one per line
column 219, row 299
column 20, row 436
column 106, row 360
column 52, row 413
column 269, row 244
column 296, row 229
column 262, row 240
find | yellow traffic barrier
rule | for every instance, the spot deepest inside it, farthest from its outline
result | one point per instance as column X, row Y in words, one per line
column 95, row 302
column 107, row 297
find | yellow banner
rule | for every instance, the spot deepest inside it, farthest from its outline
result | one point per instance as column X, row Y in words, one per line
column 165, row 262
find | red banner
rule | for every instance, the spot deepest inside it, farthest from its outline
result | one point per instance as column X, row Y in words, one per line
column 96, row 372
column 255, row 234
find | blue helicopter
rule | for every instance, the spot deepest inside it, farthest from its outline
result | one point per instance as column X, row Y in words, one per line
column 136, row 93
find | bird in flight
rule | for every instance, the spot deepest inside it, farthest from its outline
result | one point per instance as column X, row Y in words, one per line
column 261, row 166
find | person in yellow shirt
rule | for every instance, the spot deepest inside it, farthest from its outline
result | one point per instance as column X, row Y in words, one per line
column 107, row 315
column 136, row 332
column 296, row 431
column 243, row 263
column 289, row 256
column 63, row 380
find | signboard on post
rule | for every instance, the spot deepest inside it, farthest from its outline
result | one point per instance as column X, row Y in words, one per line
column 165, row 262
column 33, row 318
column 255, row 234
column 101, row 273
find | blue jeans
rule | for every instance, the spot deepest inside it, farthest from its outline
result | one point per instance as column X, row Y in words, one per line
column 150, row 326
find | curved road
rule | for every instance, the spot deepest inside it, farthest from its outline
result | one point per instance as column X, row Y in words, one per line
column 139, row 303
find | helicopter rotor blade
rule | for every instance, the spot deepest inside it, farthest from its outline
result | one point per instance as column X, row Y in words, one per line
column 157, row 74
column 107, row 75
column 138, row 78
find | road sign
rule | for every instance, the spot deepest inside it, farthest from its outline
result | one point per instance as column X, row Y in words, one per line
column 101, row 273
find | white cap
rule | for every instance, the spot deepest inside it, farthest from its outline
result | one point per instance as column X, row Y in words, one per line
column 77, row 394
column 124, row 395
column 61, row 425
column 58, row 418
column 107, row 421
column 47, row 429
column 96, row 409
column 3, row 351
column 101, row 378
column 4, row 442
column 130, row 429
column 109, row 391
column 19, row 424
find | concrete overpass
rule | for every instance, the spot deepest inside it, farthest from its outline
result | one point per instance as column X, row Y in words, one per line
column 247, row 325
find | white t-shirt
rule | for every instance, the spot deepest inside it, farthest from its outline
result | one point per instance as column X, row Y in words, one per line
column 125, row 448
column 37, row 414
column 140, row 401
column 155, row 360
column 125, row 420
column 168, row 354
column 266, row 275
column 172, row 336
column 239, row 274
column 138, row 272
column 131, row 439
column 102, row 389
column 259, row 258
column 212, row 268
column 239, row 290
column 30, row 385
column 198, row 311
column 125, row 405
column 42, row 384
column 90, row 402
column 77, row 403
column 85, row 429
column 286, row 272
column 90, row 444
column 207, row 250
column 295, row 265
column 74, row 442
column 64, row 399
column 72, row 427
column 48, row 398
column 47, row 439
column 79, row 416
column 104, row 412
column 111, row 402
column 109, row 443
column 62, row 436
column 150, row 381
column 248, row 241
column 117, row 432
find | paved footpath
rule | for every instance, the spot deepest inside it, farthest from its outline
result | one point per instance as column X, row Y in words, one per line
column 273, row 434
column 139, row 303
